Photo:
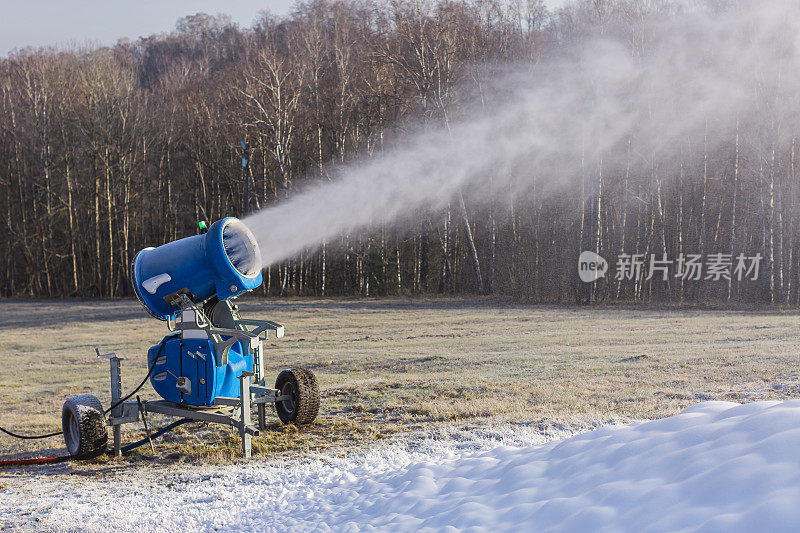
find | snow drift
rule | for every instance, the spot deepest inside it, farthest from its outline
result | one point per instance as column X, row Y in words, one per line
column 716, row 466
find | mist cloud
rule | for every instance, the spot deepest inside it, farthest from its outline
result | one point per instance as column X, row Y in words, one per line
column 662, row 87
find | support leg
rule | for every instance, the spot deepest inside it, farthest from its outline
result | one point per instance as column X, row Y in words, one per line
column 116, row 395
column 262, row 416
column 244, row 420
column 117, row 440
column 258, row 368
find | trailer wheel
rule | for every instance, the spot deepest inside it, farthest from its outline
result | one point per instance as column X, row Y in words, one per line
column 313, row 388
column 84, row 426
column 302, row 405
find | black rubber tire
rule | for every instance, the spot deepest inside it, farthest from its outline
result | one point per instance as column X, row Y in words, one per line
column 301, row 385
column 313, row 388
column 84, row 426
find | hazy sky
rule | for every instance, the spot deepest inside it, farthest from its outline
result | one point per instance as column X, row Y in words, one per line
column 63, row 22
column 53, row 22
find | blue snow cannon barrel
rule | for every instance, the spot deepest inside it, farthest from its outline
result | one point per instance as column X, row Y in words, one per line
column 224, row 262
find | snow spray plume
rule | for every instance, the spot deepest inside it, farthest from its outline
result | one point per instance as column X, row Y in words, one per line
column 622, row 100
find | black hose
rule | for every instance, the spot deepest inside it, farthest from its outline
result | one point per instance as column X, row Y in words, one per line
column 149, row 372
column 62, row 458
column 29, row 437
column 169, row 427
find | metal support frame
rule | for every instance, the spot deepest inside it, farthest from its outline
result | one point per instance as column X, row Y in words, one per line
column 233, row 412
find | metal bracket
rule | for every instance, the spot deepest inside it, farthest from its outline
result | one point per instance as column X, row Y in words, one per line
column 262, row 326
column 222, row 400
column 260, row 390
column 264, row 395
column 222, row 347
column 108, row 355
column 130, row 413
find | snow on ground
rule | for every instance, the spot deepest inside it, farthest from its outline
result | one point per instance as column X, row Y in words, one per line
column 717, row 466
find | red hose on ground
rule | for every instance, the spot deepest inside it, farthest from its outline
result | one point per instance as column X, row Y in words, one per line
column 35, row 461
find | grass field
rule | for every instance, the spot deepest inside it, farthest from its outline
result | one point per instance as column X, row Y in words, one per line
column 393, row 365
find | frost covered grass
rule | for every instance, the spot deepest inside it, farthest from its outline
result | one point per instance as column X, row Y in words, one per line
column 394, row 365
column 717, row 466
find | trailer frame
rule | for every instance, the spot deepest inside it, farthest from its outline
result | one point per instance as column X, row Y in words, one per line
column 235, row 412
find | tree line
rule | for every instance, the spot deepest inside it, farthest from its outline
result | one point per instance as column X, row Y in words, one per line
column 104, row 151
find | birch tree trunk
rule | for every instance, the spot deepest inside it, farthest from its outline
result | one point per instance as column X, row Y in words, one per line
column 735, row 187
column 473, row 251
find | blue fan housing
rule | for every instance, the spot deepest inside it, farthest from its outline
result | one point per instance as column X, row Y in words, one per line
column 224, row 262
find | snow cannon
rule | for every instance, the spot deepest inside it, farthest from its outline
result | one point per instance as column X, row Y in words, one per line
column 211, row 367
column 224, row 262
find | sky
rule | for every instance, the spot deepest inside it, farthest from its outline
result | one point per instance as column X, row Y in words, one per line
column 63, row 22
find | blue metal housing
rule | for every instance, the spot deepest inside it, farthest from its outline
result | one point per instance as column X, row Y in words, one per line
column 224, row 262
column 194, row 359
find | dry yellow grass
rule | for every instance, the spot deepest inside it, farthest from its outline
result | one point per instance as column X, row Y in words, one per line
column 393, row 364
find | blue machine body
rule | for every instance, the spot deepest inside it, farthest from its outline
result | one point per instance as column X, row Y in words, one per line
column 225, row 262
column 194, row 359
